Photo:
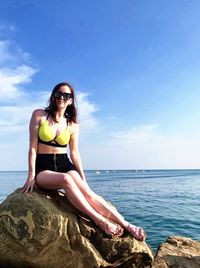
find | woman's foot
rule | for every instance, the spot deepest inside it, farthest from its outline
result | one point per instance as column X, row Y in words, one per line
column 110, row 228
column 137, row 232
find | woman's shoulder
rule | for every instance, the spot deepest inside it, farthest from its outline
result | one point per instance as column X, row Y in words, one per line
column 39, row 113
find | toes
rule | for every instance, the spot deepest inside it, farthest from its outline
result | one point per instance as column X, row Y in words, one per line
column 119, row 231
column 136, row 232
column 142, row 234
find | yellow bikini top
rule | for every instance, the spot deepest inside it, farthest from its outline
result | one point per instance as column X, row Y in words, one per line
column 46, row 136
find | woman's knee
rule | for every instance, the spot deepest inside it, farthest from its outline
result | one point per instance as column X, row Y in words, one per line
column 67, row 181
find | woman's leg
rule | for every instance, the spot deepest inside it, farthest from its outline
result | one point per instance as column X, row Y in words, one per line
column 104, row 208
column 96, row 201
column 54, row 180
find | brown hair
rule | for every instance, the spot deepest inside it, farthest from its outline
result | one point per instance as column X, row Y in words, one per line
column 70, row 112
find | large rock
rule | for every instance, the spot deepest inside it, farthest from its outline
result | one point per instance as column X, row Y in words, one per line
column 44, row 230
column 178, row 252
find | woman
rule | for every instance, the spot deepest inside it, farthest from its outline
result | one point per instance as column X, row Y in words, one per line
column 51, row 130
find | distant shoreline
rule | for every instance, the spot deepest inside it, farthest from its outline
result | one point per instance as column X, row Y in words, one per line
column 114, row 169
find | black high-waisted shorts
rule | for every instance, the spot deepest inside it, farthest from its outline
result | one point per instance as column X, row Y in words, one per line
column 53, row 162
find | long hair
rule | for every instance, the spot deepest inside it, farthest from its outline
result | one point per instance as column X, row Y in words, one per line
column 70, row 112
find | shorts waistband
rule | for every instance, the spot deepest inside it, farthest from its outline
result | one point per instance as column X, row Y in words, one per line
column 50, row 156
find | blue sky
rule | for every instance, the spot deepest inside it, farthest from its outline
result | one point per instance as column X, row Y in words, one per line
column 134, row 65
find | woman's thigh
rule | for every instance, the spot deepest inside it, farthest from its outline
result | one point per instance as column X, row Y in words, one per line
column 50, row 180
column 55, row 180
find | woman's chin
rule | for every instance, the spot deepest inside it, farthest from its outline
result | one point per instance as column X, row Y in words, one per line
column 61, row 104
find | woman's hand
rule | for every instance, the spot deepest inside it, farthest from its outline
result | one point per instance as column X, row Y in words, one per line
column 33, row 133
column 29, row 185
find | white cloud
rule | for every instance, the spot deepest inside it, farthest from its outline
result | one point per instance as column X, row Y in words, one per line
column 15, row 70
column 86, row 110
column 11, row 54
column 135, row 134
column 7, row 28
column 142, row 147
column 4, row 51
column 12, row 78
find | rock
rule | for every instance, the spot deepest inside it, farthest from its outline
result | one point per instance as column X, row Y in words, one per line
column 43, row 230
column 178, row 252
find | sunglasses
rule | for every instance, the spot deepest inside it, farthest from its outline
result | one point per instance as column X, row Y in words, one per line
column 59, row 94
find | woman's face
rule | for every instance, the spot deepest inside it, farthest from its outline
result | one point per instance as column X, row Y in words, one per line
column 63, row 97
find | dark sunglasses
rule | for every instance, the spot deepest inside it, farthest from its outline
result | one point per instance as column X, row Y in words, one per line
column 59, row 94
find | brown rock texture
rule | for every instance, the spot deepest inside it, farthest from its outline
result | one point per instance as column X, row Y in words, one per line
column 178, row 252
column 43, row 230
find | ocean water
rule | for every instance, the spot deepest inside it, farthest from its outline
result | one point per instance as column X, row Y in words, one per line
column 163, row 202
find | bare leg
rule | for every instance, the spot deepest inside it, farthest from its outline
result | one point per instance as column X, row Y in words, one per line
column 97, row 202
column 54, row 180
column 104, row 208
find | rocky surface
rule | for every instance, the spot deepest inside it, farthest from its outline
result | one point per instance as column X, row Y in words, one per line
column 43, row 230
column 178, row 252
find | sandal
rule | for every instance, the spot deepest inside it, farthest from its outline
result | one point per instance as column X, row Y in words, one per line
column 108, row 229
column 137, row 232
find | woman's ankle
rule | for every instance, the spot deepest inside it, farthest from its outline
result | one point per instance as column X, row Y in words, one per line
column 99, row 219
column 125, row 224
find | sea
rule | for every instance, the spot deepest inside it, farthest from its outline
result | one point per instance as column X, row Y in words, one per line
column 164, row 202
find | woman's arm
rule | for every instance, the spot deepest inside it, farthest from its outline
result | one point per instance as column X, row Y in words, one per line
column 74, row 151
column 33, row 143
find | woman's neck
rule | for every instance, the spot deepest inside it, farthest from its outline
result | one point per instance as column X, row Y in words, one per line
column 58, row 116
